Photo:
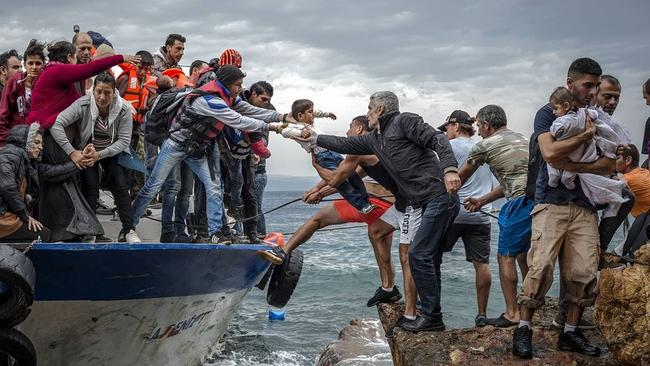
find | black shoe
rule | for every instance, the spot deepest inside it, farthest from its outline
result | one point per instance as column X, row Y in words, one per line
column 183, row 239
column 501, row 322
column 121, row 237
column 382, row 296
column 274, row 255
column 106, row 211
column 103, row 239
column 576, row 342
column 390, row 332
column 522, row 339
column 425, row 323
column 480, row 321
column 253, row 239
column 168, row 237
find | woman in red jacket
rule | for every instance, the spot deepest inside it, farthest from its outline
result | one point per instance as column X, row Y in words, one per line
column 16, row 98
column 54, row 91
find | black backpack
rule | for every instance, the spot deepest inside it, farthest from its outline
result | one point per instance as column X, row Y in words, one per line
column 158, row 119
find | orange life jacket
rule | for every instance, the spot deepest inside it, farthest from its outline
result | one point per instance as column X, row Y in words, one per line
column 137, row 94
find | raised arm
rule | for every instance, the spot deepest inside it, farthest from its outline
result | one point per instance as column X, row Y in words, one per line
column 70, row 73
column 357, row 145
column 249, row 110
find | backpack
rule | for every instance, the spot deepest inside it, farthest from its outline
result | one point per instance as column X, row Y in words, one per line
column 158, row 119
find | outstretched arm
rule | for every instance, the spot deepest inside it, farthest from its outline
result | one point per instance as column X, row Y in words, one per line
column 345, row 170
column 357, row 145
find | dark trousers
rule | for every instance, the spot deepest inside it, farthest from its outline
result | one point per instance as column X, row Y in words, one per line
column 606, row 229
column 425, row 251
column 183, row 199
column 23, row 234
column 117, row 179
column 260, row 185
column 352, row 189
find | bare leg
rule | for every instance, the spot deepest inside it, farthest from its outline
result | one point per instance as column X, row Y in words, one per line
column 325, row 217
column 381, row 238
column 523, row 264
column 410, row 291
column 483, row 284
column 508, row 278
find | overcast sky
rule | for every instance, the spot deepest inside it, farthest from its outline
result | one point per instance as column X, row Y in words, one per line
column 436, row 56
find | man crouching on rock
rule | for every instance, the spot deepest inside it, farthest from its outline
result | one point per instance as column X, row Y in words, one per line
column 406, row 146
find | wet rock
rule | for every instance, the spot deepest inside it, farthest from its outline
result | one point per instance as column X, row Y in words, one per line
column 485, row 346
column 623, row 310
column 360, row 343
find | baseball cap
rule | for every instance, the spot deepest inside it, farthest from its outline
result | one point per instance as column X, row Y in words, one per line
column 456, row 116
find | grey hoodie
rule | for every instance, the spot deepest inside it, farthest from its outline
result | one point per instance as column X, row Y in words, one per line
column 84, row 113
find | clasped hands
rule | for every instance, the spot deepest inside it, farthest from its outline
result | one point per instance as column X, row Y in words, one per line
column 85, row 158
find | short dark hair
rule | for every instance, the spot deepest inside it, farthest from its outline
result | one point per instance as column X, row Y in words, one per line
column 5, row 56
column 229, row 74
column 60, row 50
column 146, row 57
column 583, row 66
column 195, row 64
column 633, row 152
column 172, row 38
column 561, row 95
column 646, row 86
column 300, row 106
column 610, row 79
column 262, row 87
column 494, row 115
column 468, row 129
column 106, row 78
column 35, row 49
column 363, row 122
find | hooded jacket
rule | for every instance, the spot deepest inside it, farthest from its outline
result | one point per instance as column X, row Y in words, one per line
column 84, row 113
column 407, row 149
column 15, row 165
column 13, row 105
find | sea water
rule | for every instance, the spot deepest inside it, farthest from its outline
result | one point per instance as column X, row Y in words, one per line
column 338, row 277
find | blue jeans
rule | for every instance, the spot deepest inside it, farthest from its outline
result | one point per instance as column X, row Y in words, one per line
column 425, row 251
column 260, row 185
column 352, row 189
column 170, row 156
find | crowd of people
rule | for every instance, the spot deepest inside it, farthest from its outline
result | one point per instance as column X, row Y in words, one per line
column 153, row 135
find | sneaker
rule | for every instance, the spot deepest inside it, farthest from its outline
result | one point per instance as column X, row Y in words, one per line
column 101, row 203
column 132, row 237
column 425, row 323
column 367, row 208
column 274, row 254
column 583, row 324
column 576, row 342
column 183, row 238
column 382, row 296
column 168, row 237
column 390, row 332
column 216, row 238
column 522, row 342
column 480, row 321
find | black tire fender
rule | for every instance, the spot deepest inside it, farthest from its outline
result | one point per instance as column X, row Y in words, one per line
column 17, row 276
column 17, row 346
column 284, row 280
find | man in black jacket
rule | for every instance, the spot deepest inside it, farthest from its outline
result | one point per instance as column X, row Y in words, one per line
column 407, row 148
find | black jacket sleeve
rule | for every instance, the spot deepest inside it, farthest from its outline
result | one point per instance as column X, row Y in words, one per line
column 357, row 145
column 9, row 190
column 56, row 173
column 426, row 136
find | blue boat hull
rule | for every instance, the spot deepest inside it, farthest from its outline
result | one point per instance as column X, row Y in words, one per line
column 144, row 304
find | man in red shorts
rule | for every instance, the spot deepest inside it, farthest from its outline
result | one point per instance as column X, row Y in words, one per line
column 379, row 186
